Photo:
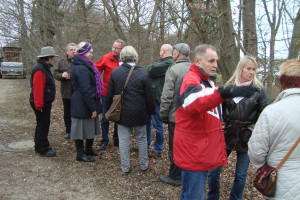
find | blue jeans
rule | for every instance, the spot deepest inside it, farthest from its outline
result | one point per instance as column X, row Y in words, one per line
column 237, row 190
column 158, row 126
column 193, row 184
column 105, row 125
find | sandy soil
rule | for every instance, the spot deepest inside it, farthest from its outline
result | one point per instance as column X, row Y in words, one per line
column 25, row 175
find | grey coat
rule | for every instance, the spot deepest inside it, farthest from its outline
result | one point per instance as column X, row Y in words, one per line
column 173, row 75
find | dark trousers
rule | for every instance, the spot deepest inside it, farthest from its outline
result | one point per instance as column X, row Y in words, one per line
column 105, row 125
column 67, row 114
column 174, row 171
column 42, row 128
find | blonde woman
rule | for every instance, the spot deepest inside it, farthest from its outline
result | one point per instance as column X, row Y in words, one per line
column 239, row 117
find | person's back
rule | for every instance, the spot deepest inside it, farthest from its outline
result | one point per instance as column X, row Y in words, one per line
column 134, row 106
column 277, row 130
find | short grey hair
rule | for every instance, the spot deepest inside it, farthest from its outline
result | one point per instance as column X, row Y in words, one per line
column 70, row 44
column 129, row 54
column 122, row 42
column 201, row 49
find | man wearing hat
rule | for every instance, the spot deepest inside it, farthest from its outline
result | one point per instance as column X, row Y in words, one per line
column 174, row 73
column 157, row 73
column 41, row 97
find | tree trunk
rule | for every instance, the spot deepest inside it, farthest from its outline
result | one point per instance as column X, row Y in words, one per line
column 295, row 42
column 228, row 52
column 249, row 27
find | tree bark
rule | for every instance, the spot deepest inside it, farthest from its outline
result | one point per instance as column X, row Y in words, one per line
column 295, row 42
column 249, row 27
column 228, row 51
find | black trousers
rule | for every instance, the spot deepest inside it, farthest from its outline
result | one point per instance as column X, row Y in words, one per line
column 174, row 171
column 42, row 128
column 67, row 114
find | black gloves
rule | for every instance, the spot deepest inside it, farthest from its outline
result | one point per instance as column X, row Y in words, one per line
column 165, row 120
column 234, row 91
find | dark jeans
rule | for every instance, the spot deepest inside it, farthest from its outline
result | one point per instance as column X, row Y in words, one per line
column 174, row 171
column 242, row 164
column 105, row 125
column 67, row 114
column 42, row 128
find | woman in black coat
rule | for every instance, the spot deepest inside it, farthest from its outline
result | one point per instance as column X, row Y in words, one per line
column 85, row 102
column 138, row 102
column 239, row 117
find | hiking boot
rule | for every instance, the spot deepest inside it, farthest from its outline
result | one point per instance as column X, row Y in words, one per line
column 91, row 152
column 103, row 146
column 154, row 154
column 49, row 153
column 170, row 181
column 68, row 135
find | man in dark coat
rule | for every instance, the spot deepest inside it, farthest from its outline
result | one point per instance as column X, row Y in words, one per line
column 157, row 73
column 62, row 73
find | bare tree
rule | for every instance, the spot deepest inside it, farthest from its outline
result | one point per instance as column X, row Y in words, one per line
column 295, row 42
column 274, row 20
column 249, row 27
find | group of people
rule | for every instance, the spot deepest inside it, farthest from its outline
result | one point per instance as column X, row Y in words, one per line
column 205, row 123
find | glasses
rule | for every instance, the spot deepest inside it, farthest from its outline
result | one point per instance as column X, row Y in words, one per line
column 116, row 48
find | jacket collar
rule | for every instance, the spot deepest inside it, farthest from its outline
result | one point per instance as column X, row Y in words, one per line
column 47, row 66
column 182, row 60
column 166, row 58
column 200, row 72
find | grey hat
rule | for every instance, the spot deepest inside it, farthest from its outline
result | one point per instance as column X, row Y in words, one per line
column 183, row 48
column 47, row 51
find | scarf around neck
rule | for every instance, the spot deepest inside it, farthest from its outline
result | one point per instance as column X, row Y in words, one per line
column 99, row 82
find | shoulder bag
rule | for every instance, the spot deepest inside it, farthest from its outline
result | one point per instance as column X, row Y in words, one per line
column 265, row 177
column 114, row 112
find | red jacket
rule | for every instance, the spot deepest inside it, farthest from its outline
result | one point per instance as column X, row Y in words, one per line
column 199, row 143
column 107, row 63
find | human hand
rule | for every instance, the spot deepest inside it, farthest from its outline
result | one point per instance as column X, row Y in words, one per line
column 94, row 115
column 234, row 91
column 66, row 75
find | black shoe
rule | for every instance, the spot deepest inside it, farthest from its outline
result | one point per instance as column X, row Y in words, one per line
column 83, row 157
column 49, row 153
column 154, row 155
column 116, row 143
column 103, row 146
column 91, row 152
column 68, row 135
column 168, row 180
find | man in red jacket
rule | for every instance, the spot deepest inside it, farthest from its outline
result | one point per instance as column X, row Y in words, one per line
column 106, row 65
column 199, row 143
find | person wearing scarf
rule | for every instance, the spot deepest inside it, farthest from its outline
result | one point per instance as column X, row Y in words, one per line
column 85, row 102
column 239, row 117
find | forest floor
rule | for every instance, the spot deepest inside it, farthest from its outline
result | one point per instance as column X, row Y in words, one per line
column 25, row 175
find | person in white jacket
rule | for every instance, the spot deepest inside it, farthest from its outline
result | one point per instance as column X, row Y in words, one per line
column 277, row 130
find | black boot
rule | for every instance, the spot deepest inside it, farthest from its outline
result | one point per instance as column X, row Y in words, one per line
column 81, row 156
column 89, row 148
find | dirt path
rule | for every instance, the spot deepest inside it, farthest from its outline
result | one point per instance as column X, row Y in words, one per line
column 25, row 175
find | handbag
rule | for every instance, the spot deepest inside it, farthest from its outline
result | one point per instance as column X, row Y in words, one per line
column 114, row 112
column 265, row 177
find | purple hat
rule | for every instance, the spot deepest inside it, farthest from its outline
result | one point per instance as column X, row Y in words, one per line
column 85, row 49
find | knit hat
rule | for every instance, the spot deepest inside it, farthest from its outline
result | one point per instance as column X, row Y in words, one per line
column 183, row 48
column 47, row 51
column 85, row 49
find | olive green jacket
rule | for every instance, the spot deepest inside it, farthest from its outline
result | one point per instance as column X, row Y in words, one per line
column 64, row 65
column 157, row 73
